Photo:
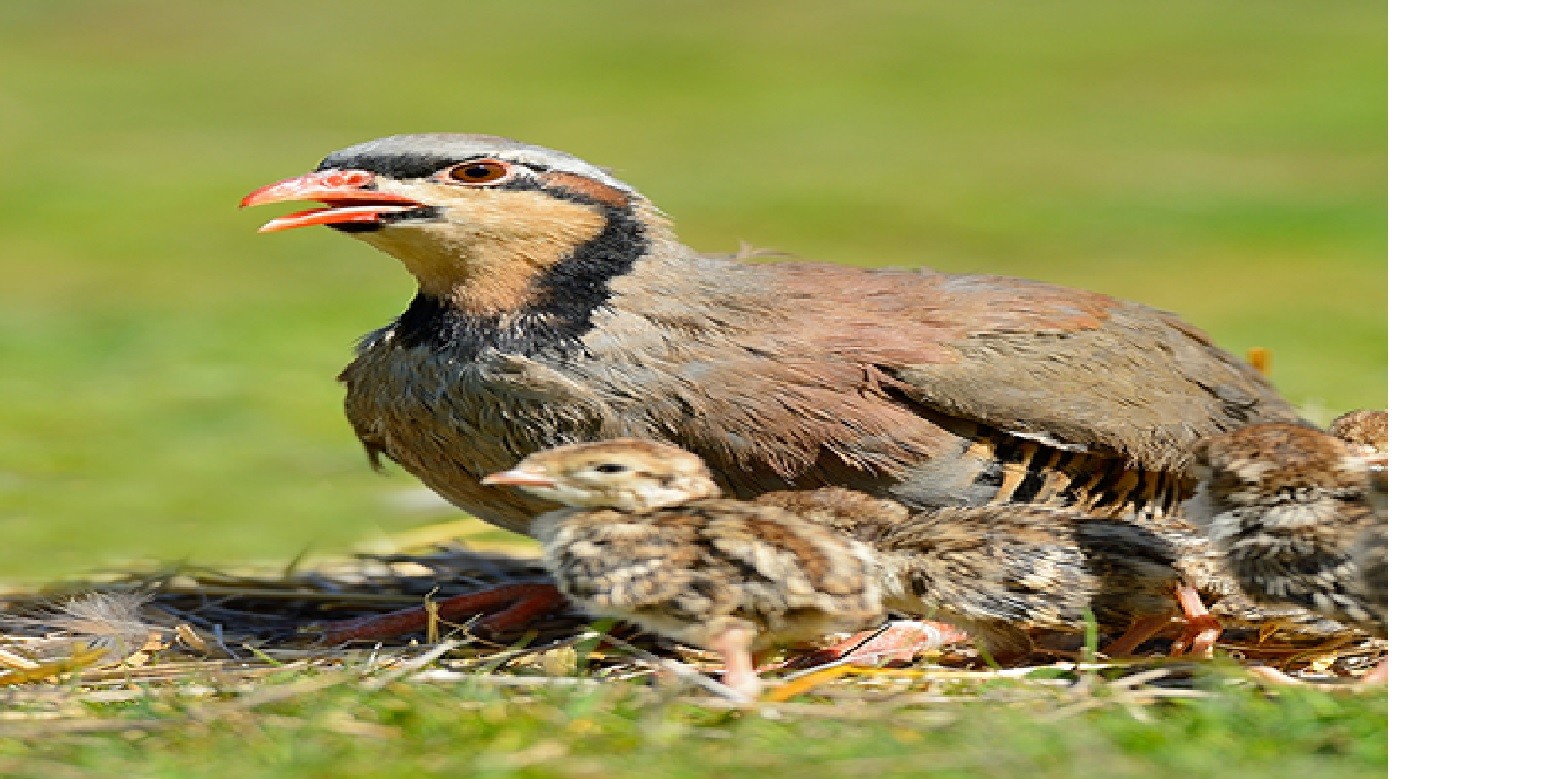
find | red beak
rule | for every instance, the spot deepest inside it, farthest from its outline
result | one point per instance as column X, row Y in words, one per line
column 519, row 477
column 344, row 193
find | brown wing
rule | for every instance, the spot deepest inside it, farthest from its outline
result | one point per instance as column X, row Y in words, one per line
column 1065, row 367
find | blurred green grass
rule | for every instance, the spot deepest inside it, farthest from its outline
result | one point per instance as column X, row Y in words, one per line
column 477, row 731
column 166, row 389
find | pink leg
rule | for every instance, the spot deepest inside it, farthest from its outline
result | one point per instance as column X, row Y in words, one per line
column 1376, row 675
column 1201, row 628
column 899, row 640
column 1271, row 675
column 734, row 646
column 1266, row 673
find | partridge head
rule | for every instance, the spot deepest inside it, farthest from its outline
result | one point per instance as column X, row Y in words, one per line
column 629, row 475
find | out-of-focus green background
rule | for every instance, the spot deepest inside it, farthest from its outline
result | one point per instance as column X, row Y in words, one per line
column 166, row 374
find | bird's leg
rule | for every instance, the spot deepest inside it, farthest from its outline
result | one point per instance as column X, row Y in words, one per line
column 1013, row 473
column 734, row 646
column 1141, row 629
column 544, row 598
column 1201, row 628
column 1376, row 675
column 510, row 605
column 1269, row 675
column 899, row 640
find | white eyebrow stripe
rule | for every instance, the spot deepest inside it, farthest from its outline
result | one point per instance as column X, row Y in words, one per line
column 564, row 163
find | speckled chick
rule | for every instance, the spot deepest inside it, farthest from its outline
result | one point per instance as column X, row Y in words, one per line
column 1003, row 573
column 644, row 537
column 1294, row 512
column 1366, row 429
column 1369, row 432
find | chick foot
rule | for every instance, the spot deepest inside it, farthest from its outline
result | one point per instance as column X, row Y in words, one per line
column 1201, row 628
column 508, row 606
column 1376, row 675
column 897, row 641
column 734, row 646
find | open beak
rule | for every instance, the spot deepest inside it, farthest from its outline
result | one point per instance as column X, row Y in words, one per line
column 345, row 194
column 519, row 477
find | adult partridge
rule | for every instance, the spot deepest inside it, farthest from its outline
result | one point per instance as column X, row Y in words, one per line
column 555, row 305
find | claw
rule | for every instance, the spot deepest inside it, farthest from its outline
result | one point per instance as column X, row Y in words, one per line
column 897, row 641
column 1201, row 628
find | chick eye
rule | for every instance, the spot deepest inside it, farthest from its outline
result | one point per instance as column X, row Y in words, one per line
column 486, row 171
column 610, row 468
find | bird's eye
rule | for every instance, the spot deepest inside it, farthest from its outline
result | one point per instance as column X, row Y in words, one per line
column 610, row 468
column 485, row 171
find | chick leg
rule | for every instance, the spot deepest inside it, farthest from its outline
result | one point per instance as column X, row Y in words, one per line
column 1269, row 675
column 1201, row 628
column 1376, row 675
column 734, row 646
column 510, row 605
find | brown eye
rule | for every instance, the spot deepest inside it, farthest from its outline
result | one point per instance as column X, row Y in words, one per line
column 480, row 172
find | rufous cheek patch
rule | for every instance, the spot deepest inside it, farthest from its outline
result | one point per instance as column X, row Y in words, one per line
column 590, row 188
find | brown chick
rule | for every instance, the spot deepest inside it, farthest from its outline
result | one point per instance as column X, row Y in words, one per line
column 1004, row 573
column 1367, row 430
column 1294, row 512
column 1369, row 433
column 646, row 538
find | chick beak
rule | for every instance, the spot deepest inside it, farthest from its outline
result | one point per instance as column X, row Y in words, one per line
column 519, row 477
column 345, row 194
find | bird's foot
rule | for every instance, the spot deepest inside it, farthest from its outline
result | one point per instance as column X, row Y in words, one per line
column 1376, row 675
column 1201, row 628
column 1198, row 637
column 897, row 641
column 734, row 646
column 508, row 606
column 1140, row 630
column 1269, row 675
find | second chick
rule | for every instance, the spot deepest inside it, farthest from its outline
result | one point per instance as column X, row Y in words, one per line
column 1005, row 573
